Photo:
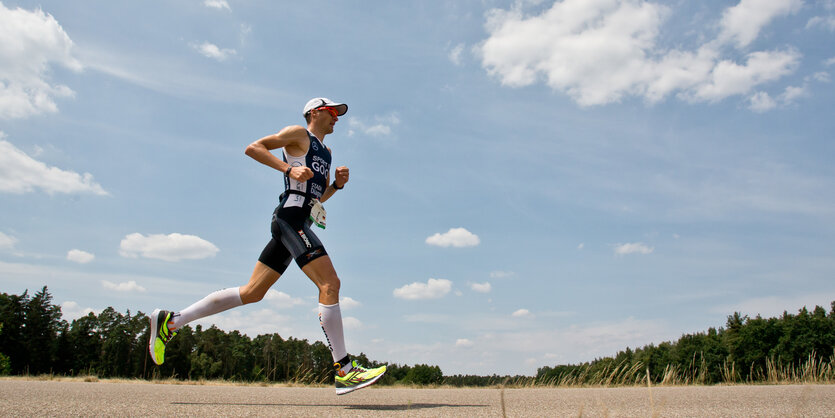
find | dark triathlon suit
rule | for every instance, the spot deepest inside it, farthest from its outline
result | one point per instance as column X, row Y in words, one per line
column 291, row 234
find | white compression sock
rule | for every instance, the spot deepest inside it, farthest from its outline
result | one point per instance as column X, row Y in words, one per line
column 215, row 302
column 330, row 317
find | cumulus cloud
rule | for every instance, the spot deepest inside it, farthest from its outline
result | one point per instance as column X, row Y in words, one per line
column 742, row 23
column 825, row 22
column 633, row 248
column 210, row 50
column 129, row 286
column 171, row 247
column 7, row 242
column 217, row 4
column 30, row 42
column 521, row 313
column 481, row 287
column 80, row 257
column 20, row 173
column 348, row 303
column 728, row 78
column 455, row 237
column 762, row 102
column 380, row 127
column 463, row 342
column 281, row 299
column 257, row 322
column 600, row 51
column 71, row 310
column 350, row 323
column 432, row 289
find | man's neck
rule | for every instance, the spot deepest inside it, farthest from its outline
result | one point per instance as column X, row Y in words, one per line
column 318, row 132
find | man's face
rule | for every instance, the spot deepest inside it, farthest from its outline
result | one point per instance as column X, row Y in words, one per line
column 328, row 116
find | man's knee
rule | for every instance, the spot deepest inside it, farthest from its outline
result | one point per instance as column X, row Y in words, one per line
column 249, row 295
column 330, row 286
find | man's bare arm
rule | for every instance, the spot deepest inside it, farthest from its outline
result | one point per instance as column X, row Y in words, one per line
column 293, row 139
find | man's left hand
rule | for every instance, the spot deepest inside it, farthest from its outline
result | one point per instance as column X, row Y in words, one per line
column 341, row 176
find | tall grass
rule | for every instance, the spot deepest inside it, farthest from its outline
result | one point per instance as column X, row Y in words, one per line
column 813, row 370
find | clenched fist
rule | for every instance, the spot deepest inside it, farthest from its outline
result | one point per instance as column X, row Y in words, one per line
column 301, row 174
column 341, row 176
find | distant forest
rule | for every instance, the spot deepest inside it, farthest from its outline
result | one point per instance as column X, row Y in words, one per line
column 35, row 340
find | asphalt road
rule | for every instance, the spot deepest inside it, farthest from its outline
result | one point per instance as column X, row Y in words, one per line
column 73, row 398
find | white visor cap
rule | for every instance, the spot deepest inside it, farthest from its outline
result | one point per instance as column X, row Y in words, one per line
column 341, row 108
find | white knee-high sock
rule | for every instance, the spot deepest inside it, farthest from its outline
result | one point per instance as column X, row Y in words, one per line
column 330, row 317
column 215, row 302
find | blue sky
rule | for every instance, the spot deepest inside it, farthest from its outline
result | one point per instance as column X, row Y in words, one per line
column 532, row 183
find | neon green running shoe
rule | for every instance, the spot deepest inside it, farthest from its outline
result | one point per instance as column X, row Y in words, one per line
column 160, row 335
column 357, row 378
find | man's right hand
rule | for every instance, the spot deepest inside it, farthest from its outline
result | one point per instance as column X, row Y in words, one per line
column 301, row 174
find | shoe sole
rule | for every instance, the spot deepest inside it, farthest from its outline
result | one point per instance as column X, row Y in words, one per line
column 153, row 337
column 343, row 391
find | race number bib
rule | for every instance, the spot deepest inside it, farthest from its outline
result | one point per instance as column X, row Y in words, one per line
column 317, row 213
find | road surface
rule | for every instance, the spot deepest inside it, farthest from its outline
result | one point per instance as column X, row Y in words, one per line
column 19, row 397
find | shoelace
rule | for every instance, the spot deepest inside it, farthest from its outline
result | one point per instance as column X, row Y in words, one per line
column 166, row 334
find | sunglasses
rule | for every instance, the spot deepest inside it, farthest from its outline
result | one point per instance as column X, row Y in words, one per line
column 330, row 110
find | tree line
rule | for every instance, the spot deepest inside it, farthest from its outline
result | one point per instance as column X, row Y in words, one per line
column 791, row 348
column 35, row 339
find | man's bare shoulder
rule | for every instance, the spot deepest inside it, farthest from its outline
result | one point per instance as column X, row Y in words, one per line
column 294, row 131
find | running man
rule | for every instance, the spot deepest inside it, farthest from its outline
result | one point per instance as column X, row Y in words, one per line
column 306, row 167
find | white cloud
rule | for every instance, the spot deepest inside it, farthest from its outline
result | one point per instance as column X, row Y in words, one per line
column 463, row 342
column 633, row 248
column 600, row 51
column 498, row 274
column 80, row 257
column 825, row 22
column 455, row 237
column 348, row 303
column 481, row 287
column 282, row 300
column 762, row 102
column 20, row 173
column 581, row 246
column 30, row 41
column 7, row 242
column 822, row 76
column 217, row 4
column 455, row 54
column 521, row 313
column 257, row 322
column 72, row 310
column 171, row 247
column 350, row 323
column 432, row 289
column 129, row 286
column 381, row 127
column 793, row 93
column 728, row 78
column 742, row 23
column 210, row 50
